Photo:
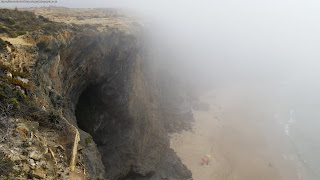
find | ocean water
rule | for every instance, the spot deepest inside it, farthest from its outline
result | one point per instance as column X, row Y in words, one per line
column 299, row 115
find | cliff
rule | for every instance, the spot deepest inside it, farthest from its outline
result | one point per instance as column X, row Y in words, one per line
column 87, row 75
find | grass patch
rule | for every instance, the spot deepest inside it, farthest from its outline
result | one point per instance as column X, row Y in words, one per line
column 88, row 140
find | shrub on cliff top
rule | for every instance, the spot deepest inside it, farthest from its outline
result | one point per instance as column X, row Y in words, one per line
column 3, row 45
column 15, row 23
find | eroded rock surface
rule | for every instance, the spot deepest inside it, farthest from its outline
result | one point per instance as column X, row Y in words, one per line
column 102, row 82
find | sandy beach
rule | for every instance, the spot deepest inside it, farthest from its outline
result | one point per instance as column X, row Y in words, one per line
column 240, row 134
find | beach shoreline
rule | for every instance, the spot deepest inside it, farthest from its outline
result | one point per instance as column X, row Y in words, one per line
column 241, row 139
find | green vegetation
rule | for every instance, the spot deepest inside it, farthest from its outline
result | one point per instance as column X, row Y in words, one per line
column 3, row 45
column 18, row 73
column 88, row 27
column 6, row 165
column 54, row 115
column 17, row 82
column 13, row 72
column 88, row 140
column 9, row 96
column 15, row 102
column 22, row 96
column 19, row 33
column 15, row 23
column 18, row 172
column 3, row 95
column 6, row 168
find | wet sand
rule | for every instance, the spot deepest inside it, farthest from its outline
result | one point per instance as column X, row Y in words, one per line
column 240, row 133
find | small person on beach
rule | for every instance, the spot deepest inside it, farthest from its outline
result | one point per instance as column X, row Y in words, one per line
column 205, row 160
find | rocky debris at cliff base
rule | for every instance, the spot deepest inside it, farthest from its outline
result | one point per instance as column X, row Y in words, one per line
column 35, row 152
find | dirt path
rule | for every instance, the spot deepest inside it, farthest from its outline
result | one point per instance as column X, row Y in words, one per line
column 239, row 134
column 17, row 41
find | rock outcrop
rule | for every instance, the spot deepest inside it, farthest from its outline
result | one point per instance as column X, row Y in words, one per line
column 101, row 81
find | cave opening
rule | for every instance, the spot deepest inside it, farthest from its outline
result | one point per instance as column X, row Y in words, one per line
column 100, row 113
column 89, row 109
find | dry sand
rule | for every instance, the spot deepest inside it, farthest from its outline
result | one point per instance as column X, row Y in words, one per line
column 239, row 133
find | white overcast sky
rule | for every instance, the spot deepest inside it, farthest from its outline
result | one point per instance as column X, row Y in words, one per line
column 242, row 36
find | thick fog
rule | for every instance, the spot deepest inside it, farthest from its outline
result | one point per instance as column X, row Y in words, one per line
column 224, row 40
column 235, row 39
column 207, row 43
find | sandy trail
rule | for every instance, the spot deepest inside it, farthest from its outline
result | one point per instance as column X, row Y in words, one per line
column 239, row 133
column 16, row 41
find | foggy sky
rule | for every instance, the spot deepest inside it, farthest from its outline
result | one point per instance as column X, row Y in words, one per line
column 231, row 38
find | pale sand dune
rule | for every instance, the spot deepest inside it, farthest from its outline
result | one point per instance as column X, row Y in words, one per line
column 241, row 137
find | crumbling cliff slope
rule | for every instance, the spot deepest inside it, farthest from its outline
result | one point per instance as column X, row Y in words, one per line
column 95, row 101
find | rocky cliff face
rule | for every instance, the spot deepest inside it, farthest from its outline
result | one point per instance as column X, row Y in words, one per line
column 102, row 82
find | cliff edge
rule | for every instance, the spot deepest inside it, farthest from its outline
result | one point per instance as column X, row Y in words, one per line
column 81, row 98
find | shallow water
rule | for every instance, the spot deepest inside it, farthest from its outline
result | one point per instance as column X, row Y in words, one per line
column 294, row 106
column 299, row 114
